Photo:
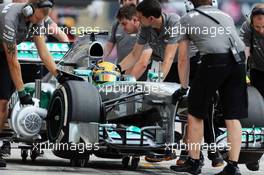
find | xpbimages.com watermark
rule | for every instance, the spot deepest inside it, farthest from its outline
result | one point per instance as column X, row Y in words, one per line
column 80, row 31
column 175, row 31
column 147, row 89
column 213, row 147
column 172, row 31
column 78, row 147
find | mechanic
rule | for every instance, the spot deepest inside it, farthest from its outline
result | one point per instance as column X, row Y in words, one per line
column 16, row 22
column 209, row 129
column 30, row 73
column 52, row 27
column 153, row 32
column 127, row 18
column 52, row 30
column 252, row 33
column 222, row 69
column 125, row 41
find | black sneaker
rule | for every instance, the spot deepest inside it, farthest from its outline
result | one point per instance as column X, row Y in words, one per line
column 183, row 158
column 216, row 158
column 6, row 149
column 253, row 166
column 2, row 161
column 190, row 166
column 230, row 170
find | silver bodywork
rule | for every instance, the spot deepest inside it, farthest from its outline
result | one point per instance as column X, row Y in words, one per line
column 154, row 96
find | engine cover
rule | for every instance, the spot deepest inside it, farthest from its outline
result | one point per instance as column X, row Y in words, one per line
column 27, row 121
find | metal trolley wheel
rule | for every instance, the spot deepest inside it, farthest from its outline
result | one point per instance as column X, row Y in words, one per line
column 75, row 162
column 135, row 162
column 125, row 161
column 24, row 154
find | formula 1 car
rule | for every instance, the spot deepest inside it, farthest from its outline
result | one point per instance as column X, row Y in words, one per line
column 100, row 112
column 83, row 110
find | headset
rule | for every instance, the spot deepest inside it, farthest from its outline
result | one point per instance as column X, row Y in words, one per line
column 189, row 5
column 29, row 9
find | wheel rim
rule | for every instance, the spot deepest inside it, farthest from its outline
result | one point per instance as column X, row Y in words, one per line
column 55, row 121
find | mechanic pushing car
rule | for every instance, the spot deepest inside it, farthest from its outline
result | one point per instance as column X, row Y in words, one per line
column 252, row 33
column 194, row 61
column 223, row 69
column 127, row 17
column 28, row 69
column 19, row 21
column 52, row 27
column 153, row 32
column 125, row 40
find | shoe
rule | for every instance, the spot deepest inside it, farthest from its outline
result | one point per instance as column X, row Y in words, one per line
column 183, row 157
column 253, row 166
column 153, row 158
column 6, row 149
column 230, row 170
column 2, row 161
column 170, row 156
column 216, row 158
column 190, row 166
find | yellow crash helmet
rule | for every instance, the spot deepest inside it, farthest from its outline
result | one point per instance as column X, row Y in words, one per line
column 106, row 72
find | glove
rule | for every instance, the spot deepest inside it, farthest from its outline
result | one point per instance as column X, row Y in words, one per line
column 248, row 80
column 178, row 94
column 25, row 98
column 120, row 69
column 61, row 78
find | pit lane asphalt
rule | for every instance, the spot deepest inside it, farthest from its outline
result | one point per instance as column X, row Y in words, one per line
column 52, row 165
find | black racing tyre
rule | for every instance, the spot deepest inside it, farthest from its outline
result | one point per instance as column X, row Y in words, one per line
column 244, row 157
column 85, row 104
column 255, row 109
column 84, row 162
column 74, row 101
column 249, row 157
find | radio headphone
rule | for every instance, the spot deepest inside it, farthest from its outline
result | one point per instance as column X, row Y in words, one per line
column 29, row 9
column 189, row 5
column 121, row 2
column 256, row 11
